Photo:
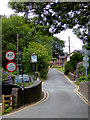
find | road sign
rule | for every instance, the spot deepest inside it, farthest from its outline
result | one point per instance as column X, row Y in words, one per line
column 34, row 58
column 11, row 66
column 86, row 64
column 85, row 51
column 85, row 58
column 10, row 55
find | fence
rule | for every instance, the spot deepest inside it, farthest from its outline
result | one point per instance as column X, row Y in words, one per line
column 6, row 101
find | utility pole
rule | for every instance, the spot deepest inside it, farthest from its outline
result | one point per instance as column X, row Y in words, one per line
column 69, row 43
column 17, row 52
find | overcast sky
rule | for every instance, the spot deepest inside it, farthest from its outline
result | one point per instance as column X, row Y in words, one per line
column 75, row 43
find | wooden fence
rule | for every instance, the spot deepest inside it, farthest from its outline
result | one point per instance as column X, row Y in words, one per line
column 6, row 101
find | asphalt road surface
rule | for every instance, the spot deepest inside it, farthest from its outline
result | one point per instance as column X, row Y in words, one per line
column 62, row 101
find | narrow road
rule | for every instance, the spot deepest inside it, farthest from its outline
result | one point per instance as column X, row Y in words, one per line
column 62, row 101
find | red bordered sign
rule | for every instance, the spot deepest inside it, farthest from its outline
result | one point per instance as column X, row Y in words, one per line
column 11, row 66
column 10, row 55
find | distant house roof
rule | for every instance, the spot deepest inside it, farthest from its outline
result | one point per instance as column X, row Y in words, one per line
column 75, row 51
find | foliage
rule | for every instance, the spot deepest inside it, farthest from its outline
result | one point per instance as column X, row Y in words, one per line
column 80, row 70
column 27, row 32
column 77, row 82
column 57, row 15
column 84, row 78
column 61, row 69
column 53, row 59
column 74, row 59
column 58, row 47
column 44, row 40
column 7, row 77
column 67, row 67
column 7, row 110
column 11, row 26
column 43, row 59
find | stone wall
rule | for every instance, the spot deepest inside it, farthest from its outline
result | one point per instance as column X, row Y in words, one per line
column 30, row 94
column 84, row 88
column 33, row 92
column 17, row 97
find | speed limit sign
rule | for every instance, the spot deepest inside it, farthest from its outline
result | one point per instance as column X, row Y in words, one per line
column 10, row 55
column 11, row 66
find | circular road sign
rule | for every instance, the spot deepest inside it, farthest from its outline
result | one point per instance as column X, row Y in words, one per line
column 86, row 58
column 86, row 64
column 11, row 66
column 10, row 55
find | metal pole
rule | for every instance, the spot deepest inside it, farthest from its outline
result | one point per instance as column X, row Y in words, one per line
column 22, row 77
column 69, row 43
column 17, row 55
column 34, row 69
column 86, row 71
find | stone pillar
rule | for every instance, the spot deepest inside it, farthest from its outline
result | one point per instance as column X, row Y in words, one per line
column 17, row 97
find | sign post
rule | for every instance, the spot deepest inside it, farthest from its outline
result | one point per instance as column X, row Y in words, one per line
column 85, row 58
column 34, row 61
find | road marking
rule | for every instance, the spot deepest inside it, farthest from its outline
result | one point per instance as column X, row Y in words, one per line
column 46, row 96
column 77, row 92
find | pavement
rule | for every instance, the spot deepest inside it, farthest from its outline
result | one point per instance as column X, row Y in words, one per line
column 61, row 101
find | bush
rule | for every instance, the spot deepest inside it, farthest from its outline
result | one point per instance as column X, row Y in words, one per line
column 74, row 59
column 80, row 71
column 7, row 77
column 67, row 67
column 88, row 77
column 82, row 78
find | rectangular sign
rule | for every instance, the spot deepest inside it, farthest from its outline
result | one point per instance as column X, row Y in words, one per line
column 34, row 58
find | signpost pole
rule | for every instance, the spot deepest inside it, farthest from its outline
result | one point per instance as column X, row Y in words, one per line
column 86, row 71
column 17, row 53
column 22, row 76
column 34, row 69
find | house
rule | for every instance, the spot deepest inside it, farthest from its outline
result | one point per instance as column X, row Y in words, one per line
column 61, row 60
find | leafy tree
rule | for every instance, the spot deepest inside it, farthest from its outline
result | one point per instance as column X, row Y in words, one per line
column 44, row 40
column 56, row 15
column 58, row 47
column 10, row 27
column 43, row 59
column 74, row 59
column 27, row 32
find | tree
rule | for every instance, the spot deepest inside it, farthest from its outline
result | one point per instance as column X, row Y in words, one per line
column 58, row 47
column 10, row 27
column 56, row 15
column 28, row 32
column 43, row 59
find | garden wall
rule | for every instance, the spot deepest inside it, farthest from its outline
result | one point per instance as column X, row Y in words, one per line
column 30, row 94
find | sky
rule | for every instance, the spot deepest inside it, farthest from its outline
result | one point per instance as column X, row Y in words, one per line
column 75, row 43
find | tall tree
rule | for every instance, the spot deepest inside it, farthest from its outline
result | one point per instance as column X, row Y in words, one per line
column 58, row 47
